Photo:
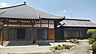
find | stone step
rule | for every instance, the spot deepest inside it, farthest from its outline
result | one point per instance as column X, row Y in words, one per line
column 16, row 43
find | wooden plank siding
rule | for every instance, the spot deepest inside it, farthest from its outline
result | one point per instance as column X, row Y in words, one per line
column 51, row 34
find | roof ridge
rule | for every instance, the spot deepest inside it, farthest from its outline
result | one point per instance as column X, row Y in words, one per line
column 13, row 6
column 78, row 19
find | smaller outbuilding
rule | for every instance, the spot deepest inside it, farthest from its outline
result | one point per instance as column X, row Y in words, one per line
column 74, row 28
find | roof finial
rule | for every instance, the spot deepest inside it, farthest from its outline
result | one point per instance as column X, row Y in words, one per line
column 25, row 3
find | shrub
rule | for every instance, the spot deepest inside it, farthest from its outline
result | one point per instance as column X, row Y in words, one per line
column 91, row 31
column 59, row 47
column 91, row 41
column 71, row 42
column 94, row 47
column 67, row 46
column 94, row 36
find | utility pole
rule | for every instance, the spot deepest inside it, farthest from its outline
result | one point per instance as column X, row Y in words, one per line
column 71, row 14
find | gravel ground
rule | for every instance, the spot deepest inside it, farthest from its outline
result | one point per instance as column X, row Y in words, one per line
column 82, row 48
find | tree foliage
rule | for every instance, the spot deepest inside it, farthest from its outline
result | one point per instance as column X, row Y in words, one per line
column 92, row 39
column 91, row 31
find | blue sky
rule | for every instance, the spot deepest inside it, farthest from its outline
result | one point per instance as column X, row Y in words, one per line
column 80, row 9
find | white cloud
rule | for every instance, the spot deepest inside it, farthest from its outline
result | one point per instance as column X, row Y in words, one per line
column 4, row 4
column 64, row 11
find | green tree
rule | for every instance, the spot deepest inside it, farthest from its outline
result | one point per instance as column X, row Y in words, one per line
column 92, row 39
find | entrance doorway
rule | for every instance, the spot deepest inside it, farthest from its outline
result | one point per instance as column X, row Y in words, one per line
column 20, row 34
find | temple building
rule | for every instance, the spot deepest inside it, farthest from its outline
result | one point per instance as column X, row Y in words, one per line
column 22, row 23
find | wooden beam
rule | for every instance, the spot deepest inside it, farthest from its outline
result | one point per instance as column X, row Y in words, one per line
column 18, row 23
column 26, row 27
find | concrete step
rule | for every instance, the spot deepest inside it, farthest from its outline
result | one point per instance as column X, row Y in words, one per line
column 16, row 43
column 44, row 42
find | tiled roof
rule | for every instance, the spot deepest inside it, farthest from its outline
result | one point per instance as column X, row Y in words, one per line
column 24, row 11
column 77, row 23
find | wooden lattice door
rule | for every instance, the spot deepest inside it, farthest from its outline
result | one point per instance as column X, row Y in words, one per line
column 20, row 34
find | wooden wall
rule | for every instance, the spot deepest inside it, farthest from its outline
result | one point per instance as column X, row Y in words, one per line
column 51, row 34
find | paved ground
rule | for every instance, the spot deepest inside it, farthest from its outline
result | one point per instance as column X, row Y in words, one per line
column 82, row 48
column 27, row 49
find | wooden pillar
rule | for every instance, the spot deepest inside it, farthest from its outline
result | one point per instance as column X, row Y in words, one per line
column 32, row 36
column 48, row 29
column 7, row 33
column 1, row 38
column 48, row 23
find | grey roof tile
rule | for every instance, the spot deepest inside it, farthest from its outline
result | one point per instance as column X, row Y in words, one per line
column 77, row 23
column 24, row 11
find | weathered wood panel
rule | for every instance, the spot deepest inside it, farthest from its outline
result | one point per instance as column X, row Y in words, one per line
column 51, row 34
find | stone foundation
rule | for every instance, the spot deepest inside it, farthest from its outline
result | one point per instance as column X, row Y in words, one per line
column 18, row 43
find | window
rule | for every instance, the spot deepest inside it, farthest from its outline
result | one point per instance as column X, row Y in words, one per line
column 12, row 33
column 44, row 21
column 44, row 25
column 66, row 34
column 5, row 25
column 26, row 25
column 81, row 34
column 13, row 25
column 20, row 34
column 40, row 34
column 51, row 21
column 76, row 33
column 36, row 25
column 51, row 25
